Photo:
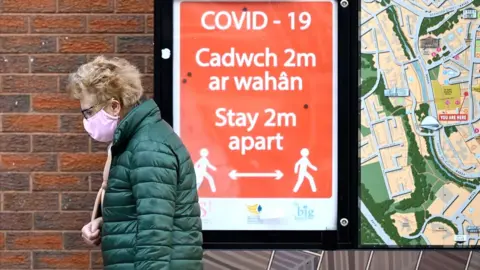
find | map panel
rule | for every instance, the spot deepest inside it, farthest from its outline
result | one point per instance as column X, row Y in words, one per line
column 420, row 131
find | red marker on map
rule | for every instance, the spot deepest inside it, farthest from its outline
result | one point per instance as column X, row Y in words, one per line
column 465, row 94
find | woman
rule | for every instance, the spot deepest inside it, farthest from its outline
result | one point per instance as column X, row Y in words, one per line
column 150, row 216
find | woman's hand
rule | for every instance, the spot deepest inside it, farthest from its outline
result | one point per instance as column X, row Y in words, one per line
column 91, row 232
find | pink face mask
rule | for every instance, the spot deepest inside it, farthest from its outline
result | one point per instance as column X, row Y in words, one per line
column 101, row 126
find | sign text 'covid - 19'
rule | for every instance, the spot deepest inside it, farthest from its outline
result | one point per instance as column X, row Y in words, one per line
column 251, row 20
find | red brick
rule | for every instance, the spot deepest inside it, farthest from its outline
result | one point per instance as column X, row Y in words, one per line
column 33, row 241
column 72, row 124
column 97, row 260
column 30, row 201
column 14, row 182
column 116, row 24
column 55, row 103
column 28, row 6
column 14, row 143
column 60, row 182
column 54, row 221
column 62, row 83
column 85, row 6
column 134, row 6
column 135, row 44
column 56, row 63
column 2, row 240
column 82, row 162
column 14, row 64
column 43, row 123
column 61, row 259
column 78, row 201
column 98, row 146
column 96, row 180
column 150, row 64
column 30, row 123
column 58, row 24
column 14, row 103
column 74, row 241
column 150, row 23
column 15, row 221
column 13, row 24
column 27, row 162
column 147, row 83
column 60, row 143
column 86, row 44
column 28, row 44
column 14, row 260
column 29, row 84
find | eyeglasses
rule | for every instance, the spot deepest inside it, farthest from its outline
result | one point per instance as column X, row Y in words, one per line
column 87, row 113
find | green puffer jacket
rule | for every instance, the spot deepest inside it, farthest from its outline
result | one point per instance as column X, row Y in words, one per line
column 150, row 210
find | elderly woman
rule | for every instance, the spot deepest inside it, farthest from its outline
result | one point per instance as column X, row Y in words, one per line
column 149, row 213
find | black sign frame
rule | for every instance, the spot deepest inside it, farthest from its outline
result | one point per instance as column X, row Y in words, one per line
column 346, row 236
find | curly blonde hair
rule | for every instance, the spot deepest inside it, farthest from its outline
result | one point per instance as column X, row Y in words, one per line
column 106, row 79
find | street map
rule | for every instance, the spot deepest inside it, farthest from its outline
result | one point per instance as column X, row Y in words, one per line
column 420, row 131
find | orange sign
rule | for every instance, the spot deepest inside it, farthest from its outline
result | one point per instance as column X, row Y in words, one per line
column 256, row 97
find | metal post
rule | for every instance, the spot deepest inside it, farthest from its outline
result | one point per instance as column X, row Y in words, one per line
column 313, row 253
column 468, row 260
column 369, row 262
column 270, row 261
column 419, row 260
column 319, row 255
column 319, row 265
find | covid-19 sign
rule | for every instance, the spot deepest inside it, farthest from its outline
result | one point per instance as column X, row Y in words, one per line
column 255, row 102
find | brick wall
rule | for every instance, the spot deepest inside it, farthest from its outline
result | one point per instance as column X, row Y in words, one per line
column 49, row 168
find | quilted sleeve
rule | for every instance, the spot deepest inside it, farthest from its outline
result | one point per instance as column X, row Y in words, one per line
column 153, row 178
column 187, row 228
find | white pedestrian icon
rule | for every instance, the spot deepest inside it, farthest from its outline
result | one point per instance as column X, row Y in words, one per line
column 201, row 167
column 301, row 168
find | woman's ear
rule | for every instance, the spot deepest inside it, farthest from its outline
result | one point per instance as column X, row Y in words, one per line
column 116, row 107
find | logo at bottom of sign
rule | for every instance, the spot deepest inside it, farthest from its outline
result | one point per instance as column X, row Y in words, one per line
column 258, row 215
column 205, row 209
column 303, row 212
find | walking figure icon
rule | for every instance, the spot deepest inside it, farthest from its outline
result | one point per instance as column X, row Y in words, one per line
column 201, row 170
column 301, row 168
